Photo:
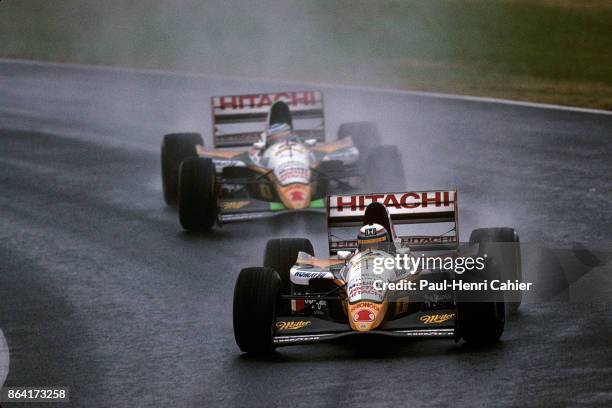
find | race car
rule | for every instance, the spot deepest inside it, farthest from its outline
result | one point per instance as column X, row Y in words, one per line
column 287, row 167
column 296, row 298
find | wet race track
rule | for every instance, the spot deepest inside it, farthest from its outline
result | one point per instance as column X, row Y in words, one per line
column 101, row 291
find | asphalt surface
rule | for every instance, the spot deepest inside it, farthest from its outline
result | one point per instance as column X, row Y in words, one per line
column 101, row 291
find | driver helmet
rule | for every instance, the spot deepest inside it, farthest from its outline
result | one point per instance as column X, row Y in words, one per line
column 278, row 132
column 373, row 236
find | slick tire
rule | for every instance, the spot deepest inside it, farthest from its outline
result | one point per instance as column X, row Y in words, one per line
column 175, row 148
column 385, row 170
column 256, row 297
column 481, row 315
column 280, row 255
column 328, row 169
column 365, row 136
column 481, row 323
column 197, row 203
column 503, row 245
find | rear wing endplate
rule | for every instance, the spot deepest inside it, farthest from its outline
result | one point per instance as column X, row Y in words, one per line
column 238, row 120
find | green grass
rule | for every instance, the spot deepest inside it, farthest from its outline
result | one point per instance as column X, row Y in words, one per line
column 538, row 50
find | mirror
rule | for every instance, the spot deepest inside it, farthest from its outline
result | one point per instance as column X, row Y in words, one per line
column 344, row 254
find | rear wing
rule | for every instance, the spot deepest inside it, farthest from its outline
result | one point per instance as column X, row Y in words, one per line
column 414, row 207
column 238, row 120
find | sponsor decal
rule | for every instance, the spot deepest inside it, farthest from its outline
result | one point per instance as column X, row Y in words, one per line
column 442, row 239
column 371, row 305
column 369, row 231
column 297, row 339
column 343, row 244
column 361, row 288
column 366, row 312
column 363, row 315
column 222, row 163
column 436, row 318
column 243, row 216
column 398, row 201
column 265, row 100
column 233, row 205
column 292, row 325
column 427, row 333
column 310, row 275
column 296, row 195
column 366, row 315
column 292, row 171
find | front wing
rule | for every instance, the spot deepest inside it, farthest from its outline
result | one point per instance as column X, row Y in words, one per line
column 296, row 330
column 234, row 210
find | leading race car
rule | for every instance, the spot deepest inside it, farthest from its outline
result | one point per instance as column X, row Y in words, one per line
column 297, row 298
column 286, row 167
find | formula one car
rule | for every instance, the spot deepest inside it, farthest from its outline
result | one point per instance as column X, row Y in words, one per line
column 287, row 167
column 297, row 298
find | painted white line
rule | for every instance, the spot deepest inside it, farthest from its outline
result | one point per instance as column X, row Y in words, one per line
column 4, row 359
column 184, row 74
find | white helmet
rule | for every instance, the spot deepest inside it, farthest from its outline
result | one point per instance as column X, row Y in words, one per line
column 278, row 132
column 373, row 236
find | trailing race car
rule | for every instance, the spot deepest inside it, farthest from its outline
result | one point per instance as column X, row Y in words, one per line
column 287, row 167
column 296, row 298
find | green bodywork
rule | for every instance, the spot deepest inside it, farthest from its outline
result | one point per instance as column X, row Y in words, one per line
column 320, row 203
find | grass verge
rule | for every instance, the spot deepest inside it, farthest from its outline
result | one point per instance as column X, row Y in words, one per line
column 535, row 50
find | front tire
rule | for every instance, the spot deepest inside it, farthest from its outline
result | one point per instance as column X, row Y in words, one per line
column 481, row 323
column 481, row 315
column 256, row 295
column 175, row 148
column 280, row 255
column 197, row 204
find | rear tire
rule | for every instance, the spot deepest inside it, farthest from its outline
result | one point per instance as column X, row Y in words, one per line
column 385, row 170
column 365, row 136
column 280, row 255
column 329, row 170
column 175, row 148
column 507, row 256
column 197, row 204
column 481, row 315
column 256, row 295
